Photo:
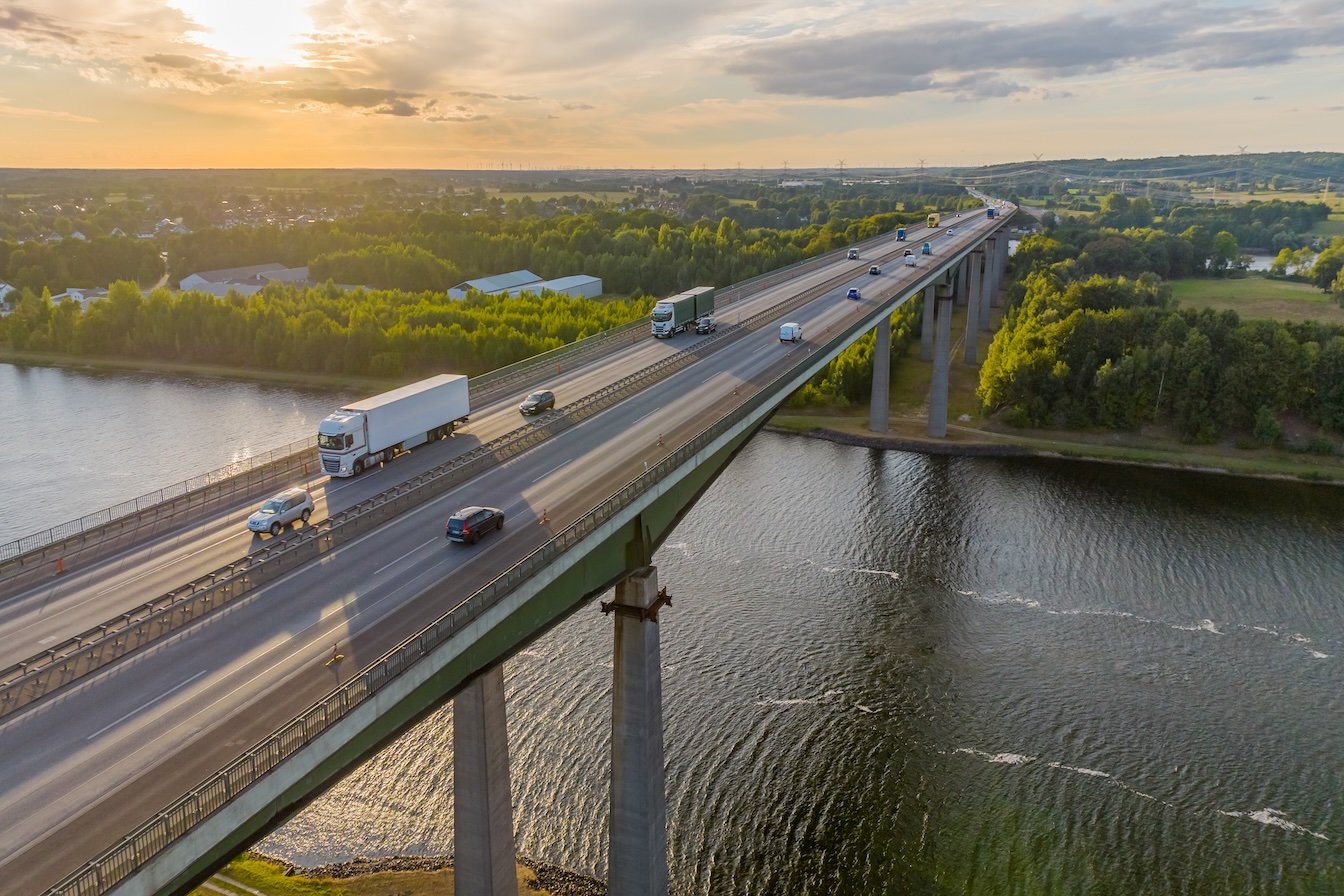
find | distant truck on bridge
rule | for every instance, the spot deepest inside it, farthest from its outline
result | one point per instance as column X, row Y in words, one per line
column 680, row 312
column 373, row 430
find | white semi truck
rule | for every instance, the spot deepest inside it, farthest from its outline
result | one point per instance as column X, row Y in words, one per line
column 372, row 431
column 680, row 312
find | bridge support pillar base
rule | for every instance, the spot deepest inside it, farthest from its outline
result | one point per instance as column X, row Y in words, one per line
column 879, row 407
column 484, row 857
column 975, row 278
column 637, row 857
column 926, row 326
column 942, row 350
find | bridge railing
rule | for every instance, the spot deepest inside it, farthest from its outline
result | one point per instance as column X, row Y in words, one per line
column 122, row 859
column 62, row 548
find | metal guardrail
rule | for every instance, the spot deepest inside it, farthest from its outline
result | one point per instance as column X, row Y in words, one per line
column 92, row 521
column 116, row 863
column 119, row 861
column 28, row 681
column 91, row 537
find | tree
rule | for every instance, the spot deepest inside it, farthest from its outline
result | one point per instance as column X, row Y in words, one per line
column 1225, row 251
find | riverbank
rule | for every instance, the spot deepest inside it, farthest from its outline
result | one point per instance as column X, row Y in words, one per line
column 969, row 435
column 243, row 374
column 252, row 874
column 967, row 439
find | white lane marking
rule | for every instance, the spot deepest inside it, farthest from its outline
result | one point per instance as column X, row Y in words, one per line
column 649, row 414
column 708, row 378
column 404, row 556
column 177, row 687
column 550, row 471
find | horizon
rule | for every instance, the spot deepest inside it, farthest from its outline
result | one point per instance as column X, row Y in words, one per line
column 869, row 85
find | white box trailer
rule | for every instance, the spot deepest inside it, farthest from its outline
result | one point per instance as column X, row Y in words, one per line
column 373, row 430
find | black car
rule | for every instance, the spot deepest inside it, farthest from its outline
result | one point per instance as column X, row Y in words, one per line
column 470, row 523
column 537, row 402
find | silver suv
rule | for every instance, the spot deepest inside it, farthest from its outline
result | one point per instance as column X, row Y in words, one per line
column 277, row 513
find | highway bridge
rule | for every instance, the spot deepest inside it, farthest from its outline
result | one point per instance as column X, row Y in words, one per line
column 150, row 730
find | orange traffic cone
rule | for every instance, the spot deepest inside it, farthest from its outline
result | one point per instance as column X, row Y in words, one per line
column 60, row 566
column 544, row 517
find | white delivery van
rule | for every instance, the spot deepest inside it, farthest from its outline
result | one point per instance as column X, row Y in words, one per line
column 790, row 332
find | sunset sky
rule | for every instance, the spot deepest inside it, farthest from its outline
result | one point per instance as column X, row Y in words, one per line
column 675, row 84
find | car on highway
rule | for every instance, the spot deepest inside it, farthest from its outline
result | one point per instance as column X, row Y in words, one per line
column 951, row 231
column 790, row 332
column 927, row 250
column 874, row 269
column 853, row 293
column 706, row 324
column 278, row 512
column 470, row 523
column 541, row 400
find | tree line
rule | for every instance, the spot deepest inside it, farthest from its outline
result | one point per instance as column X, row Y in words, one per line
column 1083, row 348
column 388, row 333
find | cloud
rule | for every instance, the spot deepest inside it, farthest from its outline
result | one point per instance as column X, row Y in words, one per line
column 355, row 97
column 576, row 107
column 186, row 72
column 31, row 25
column 10, row 111
column 512, row 97
column 971, row 59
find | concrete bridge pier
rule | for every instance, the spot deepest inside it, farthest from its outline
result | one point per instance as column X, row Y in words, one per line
column 637, row 847
column 974, row 269
column 989, row 294
column 961, row 280
column 879, row 407
column 926, row 328
column 941, row 351
column 484, row 857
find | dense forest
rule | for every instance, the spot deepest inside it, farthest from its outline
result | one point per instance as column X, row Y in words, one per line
column 1087, row 345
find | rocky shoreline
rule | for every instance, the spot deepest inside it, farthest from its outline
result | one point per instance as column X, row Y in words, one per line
column 551, row 878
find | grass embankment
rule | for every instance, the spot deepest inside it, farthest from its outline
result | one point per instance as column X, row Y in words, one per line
column 969, row 431
column 249, row 875
column 313, row 380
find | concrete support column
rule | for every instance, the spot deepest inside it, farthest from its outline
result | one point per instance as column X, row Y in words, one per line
column 960, row 281
column 637, row 848
column 989, row 294
column 1001, row 266
column 973, row 270
column 926, row 327
column 879, row 406
column 483, row 850
column 942, row 348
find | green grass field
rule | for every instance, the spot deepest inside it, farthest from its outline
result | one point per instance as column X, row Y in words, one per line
column 249, row 875
column 1259, row 297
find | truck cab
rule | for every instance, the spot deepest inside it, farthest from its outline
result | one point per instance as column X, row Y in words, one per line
column 340, row 441
column 900, row 234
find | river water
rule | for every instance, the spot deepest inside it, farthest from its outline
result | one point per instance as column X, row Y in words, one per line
column 890, row 673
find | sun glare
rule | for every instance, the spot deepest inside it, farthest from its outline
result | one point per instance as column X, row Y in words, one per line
column 264, row 32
